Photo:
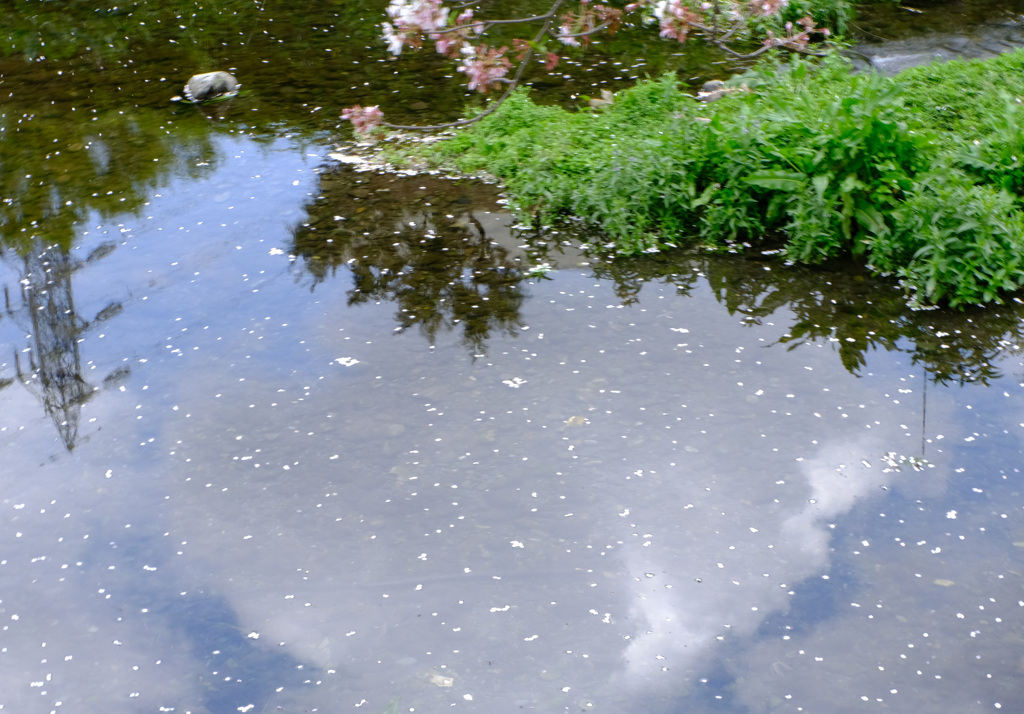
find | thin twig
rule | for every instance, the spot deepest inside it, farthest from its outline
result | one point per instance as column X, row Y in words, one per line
column 739, row 23
column 586, row 33
column 488, row 24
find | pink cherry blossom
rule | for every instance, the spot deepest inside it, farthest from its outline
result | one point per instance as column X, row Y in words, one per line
column 448, row 44
column 766, row 8
column 395, row 40
column 485, row 66
column 412, row 20
column 425, row 15
column 675, row 19
column 563, row 36
column 466, row 18
column 364, row 119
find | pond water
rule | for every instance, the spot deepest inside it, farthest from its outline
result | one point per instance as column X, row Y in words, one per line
column 282, row 435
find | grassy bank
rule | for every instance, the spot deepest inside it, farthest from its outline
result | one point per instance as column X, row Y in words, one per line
column 919, row 176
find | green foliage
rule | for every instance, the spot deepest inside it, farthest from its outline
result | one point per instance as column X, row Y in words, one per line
column 997, row 157
column 956, row 241
column 963, row 97
column 833, row 14
column 834, row 164
column 822, row 156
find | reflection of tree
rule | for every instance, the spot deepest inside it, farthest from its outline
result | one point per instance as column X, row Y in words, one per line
column 853, row 311
column 62, row 30
column 58, row 171
column 299, row 63
column 87, row 129
column 631, row 273
column 418, row 242
column 65, row 161
column 858, row 313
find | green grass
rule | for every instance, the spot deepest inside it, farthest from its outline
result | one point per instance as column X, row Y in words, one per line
column 918, row 176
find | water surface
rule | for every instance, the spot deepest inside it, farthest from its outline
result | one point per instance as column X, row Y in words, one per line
column 282, row 435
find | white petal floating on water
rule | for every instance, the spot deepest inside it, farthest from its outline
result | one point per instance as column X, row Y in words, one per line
column 347, row 158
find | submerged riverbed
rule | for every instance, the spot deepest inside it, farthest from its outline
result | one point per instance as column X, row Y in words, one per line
column 282, row 435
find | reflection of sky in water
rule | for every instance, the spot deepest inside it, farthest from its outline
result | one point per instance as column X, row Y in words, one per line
column 641, row 508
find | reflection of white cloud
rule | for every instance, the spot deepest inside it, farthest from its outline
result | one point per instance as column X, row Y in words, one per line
column 839, row 476
column 688, row 566
column 82, row 623
column 732, row 575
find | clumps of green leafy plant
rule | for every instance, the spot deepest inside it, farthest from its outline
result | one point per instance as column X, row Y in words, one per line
column 997, row 157
column 954, row 240
column 833, row 14
column 818, row 154
column 962, row 97
column 835, row 164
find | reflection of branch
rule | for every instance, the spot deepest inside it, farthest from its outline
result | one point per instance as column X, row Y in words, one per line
column 587, row 33
column 479, row 226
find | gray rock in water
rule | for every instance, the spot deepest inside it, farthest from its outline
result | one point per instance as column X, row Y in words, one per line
column 211, row 85
column 712, row 91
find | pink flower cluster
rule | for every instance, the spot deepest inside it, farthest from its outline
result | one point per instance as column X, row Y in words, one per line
column 413, row 19
column 796, row 38
column 675, row 19
column 564, row 35
column 413, row 22
column 766, row 8
column 451, row 42
column 484, row 66
column 364, row 119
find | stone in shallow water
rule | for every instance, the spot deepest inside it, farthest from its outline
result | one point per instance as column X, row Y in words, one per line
column 210, row 85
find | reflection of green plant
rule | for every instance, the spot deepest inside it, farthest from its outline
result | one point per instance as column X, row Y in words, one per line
column 847, row 309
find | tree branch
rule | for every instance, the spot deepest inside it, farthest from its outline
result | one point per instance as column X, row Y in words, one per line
column 722, row 23
column 514, row 83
